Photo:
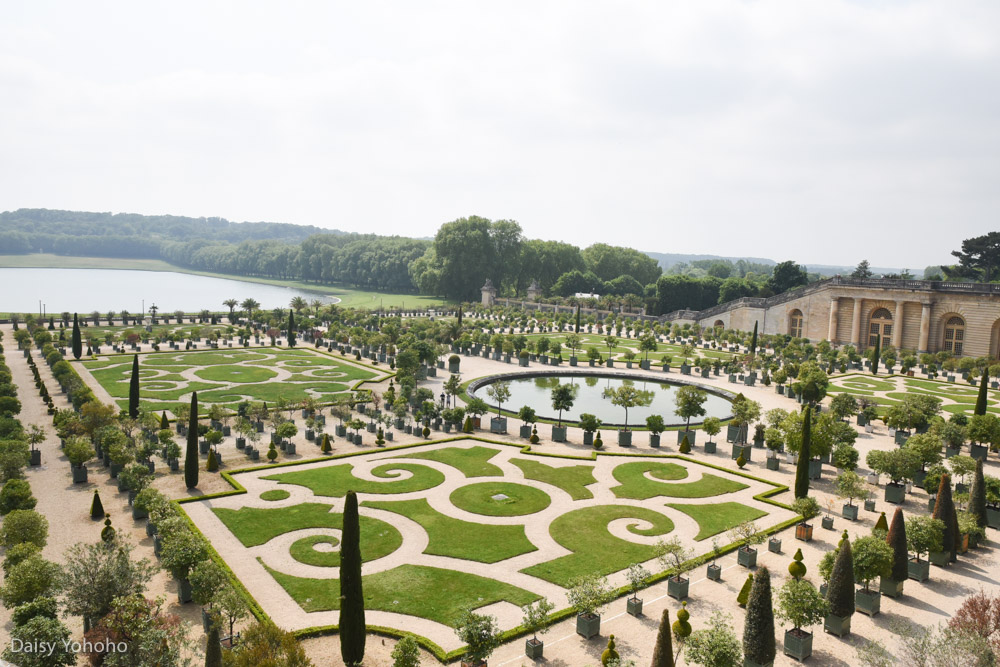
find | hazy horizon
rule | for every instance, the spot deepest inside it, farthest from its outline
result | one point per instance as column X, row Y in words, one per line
column 822, row 133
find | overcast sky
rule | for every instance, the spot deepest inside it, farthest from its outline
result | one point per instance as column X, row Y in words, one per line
column 822, row 131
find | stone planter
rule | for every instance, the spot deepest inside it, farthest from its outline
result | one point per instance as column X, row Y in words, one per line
column 838, row 625
column 895, row 493
column 633, row 606
column 588, row 625
column 798, row 644
column 678, row 588
column 746, row 557
column 918, row 570
column 533, row 648
column 559, row 434
column 79, row 474
column 849, row 512
column 624, row 438
column 890, row 587
column 868, row 602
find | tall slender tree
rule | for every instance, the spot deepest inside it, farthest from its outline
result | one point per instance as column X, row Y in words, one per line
column 663, row 651
column 758, row 627
column 352, row 600
column 753, row 343
column 213, row 649
column 977, row 495
column 944, row 509
column 191, row 457
column 291, row 328
column 77, row 340
column 805, row 453
column 840, row 593
column 577, row 318
column 877, row 354
column 981, row 399
column 133, row 389
column 896, row 538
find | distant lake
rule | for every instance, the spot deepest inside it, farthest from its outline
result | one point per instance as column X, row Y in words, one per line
column 86, row 290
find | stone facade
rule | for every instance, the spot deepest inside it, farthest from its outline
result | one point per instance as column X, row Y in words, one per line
column 489, row 293
column 963, row 318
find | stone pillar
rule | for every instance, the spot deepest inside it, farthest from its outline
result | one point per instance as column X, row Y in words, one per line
column 856, row 323
column 925, row 328
column 834, row 308
column 897, row 326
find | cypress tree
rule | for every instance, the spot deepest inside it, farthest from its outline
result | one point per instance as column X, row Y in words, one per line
column 133, row 389
column 96, row 507
column 897, row 540
column 840, row 594
column 191, row 457
column 352, row 600
column 164, row 422
column 805, row 453
column 944, row 509
column 577, row 318
column 77, row 341
column 977, row 495
column 663, row 652
column 758, row 627
column 981, row 399
column 291, row 328
column 461, row 311
column 878, row 353
column 213, row 649
column 753, row 342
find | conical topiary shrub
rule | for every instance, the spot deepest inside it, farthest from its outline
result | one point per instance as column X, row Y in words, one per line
column 840, row 594
column 741, row 461
column 96, row 506
column 744, row 593
column 896, row 538
column 326, row 448
column 213, row 463
column 944, row 510
column 758, row 626
column 805, row 453
column 164, row 422
column 685, row 447
column 213, row 649
column 663, row 652
column 467, row 426
column 977, row 495
column 881, row 525
column 598, row 442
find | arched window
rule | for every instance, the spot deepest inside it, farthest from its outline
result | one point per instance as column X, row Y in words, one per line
column 795, row 323
column 719, row 324
column 954, row 335
column 880, row 323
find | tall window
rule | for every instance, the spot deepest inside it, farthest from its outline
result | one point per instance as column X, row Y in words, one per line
column 954, row 335
column 880, row 324
column 795, row 323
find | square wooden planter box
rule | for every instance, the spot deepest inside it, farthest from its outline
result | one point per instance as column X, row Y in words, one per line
column 711, row 446
column 715, row 572
column 678, row 589
column 837, row 625
column 533, row 648
column 869, row 602
column 895, row 493
column 773, row 464
column 558, row 434
column 746, row 557
column 634, row 607
column 588, row 625
column 849, row 512
column 804, row 532
column 890, row 587
column 870, row 505
column 798, row 644
column 939, row 558
column 774, row 545
column 827, row 522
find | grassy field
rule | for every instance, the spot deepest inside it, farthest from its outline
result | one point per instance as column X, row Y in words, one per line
column 335, row 481
column 349, row 297
column 486, row 499
column 714, row 518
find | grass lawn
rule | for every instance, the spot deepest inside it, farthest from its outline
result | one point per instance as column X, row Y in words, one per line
column 254, row 526
column 459, row 539
column 304, row 551
column 716, row 518
column 706, row 487
column 471, row 461
column 275, row 494
column 571, row 479
column 426, row 592
column 635, row 484
column 585, row 533
column 335, row 481
column 520, row 500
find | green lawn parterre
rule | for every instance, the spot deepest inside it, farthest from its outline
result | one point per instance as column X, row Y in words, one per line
column 437, row 593
column 228, row 377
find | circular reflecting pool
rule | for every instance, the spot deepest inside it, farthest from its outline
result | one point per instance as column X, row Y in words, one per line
column 536, row 391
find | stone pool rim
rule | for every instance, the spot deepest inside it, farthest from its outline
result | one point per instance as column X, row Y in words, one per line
column 478, row 383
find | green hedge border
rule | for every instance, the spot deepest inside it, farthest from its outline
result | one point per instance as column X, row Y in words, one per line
column 450, row 656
